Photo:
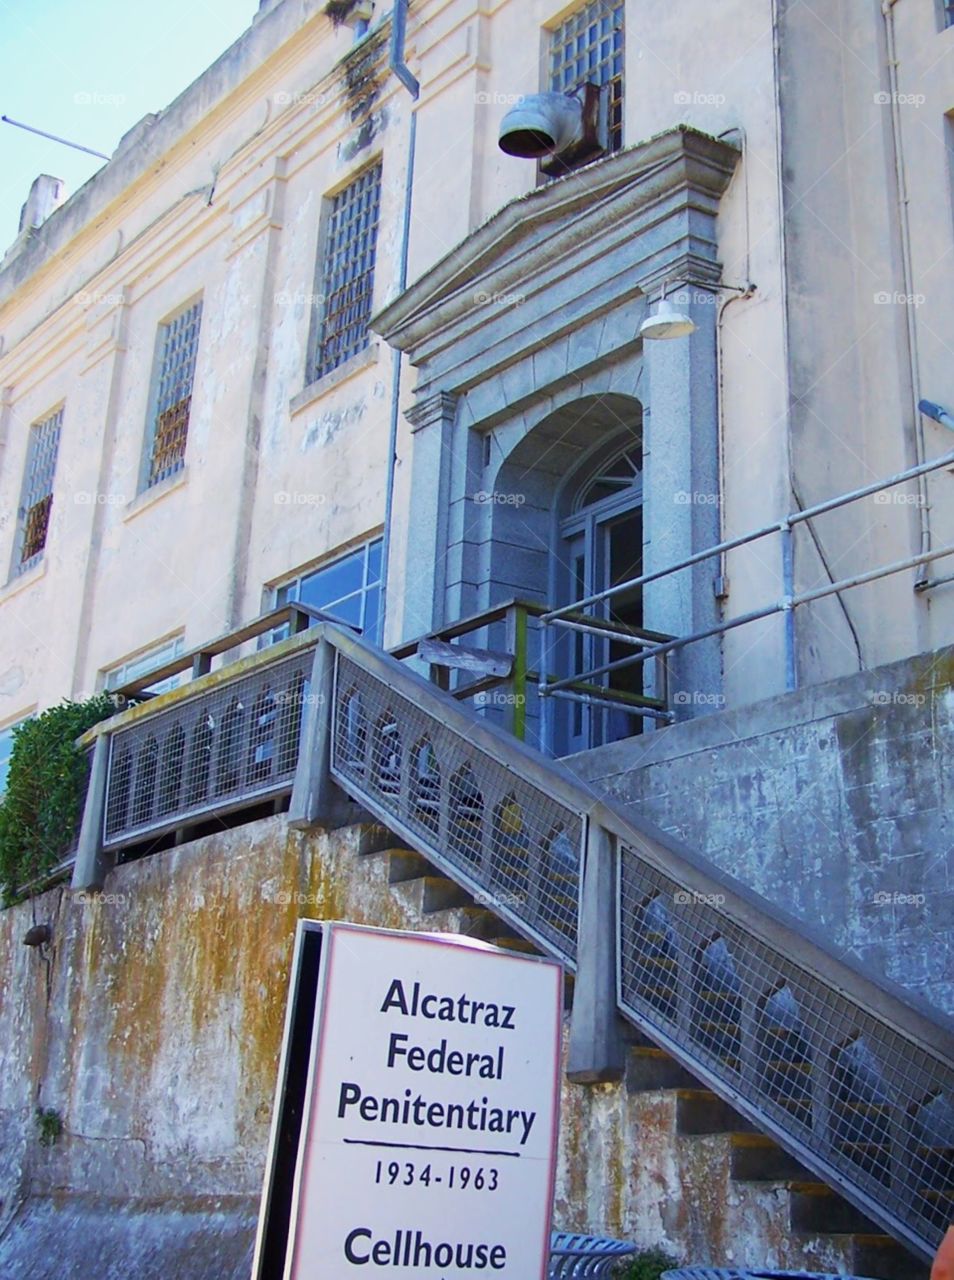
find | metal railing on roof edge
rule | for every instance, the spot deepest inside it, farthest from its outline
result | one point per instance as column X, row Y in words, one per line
column 853, row 1077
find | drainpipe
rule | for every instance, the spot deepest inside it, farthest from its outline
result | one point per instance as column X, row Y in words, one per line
column 400, row 68
column 916, row 444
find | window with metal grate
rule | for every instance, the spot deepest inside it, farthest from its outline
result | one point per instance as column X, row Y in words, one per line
column 174, row 371
column 346, row 275
column 36, row 498
column 588, row 49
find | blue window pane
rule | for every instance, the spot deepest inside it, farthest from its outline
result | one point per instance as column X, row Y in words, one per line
column 374, row 561
column 322, row 588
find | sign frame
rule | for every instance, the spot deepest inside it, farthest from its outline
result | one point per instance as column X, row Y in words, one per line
column 298, row 1080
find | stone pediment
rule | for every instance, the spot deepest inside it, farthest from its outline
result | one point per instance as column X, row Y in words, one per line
column 572, row 249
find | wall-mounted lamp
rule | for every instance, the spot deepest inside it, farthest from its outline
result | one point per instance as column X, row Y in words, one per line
column 666, row 321
column 38, row 936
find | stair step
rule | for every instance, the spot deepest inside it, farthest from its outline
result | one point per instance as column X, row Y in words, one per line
column 649, row 1069
column 815, row 1208
column 884, row 1258
column 440, row 893
column 405, row 864
column 756, row 1158
column 699, row 1111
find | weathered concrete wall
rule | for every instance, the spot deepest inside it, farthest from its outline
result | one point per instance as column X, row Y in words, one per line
column 835, row 802
column 153, row 1028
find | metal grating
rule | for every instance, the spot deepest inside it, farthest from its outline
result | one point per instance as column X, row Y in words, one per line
column 516, row 846
column 232, row 745
column 576, row 1255
column 176, row 357
column 347, row 276
column 36, row 498
column 845, row 1089
column 588, row 49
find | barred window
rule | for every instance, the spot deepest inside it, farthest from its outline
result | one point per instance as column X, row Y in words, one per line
column 346, row 281
column 588, row 49
column 176, row 348
column 36, row 499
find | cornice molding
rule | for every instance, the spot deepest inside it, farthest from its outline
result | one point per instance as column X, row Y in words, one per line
column 676, row 176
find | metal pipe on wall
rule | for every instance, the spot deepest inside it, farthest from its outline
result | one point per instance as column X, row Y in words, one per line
column 400, row 68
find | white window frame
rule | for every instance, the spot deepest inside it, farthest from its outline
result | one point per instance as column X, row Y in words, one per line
column 288, row 590
column 39, row 454
column 142, row 662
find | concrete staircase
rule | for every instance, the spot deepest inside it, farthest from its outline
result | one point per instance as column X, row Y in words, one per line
column 812, row 1220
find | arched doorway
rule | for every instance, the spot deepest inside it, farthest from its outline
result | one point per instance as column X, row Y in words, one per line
column 599, row 546
column 576, row 528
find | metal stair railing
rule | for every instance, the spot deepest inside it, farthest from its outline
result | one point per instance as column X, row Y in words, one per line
column 854, row 1077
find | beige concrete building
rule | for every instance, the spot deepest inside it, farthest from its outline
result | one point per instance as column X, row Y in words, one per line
column 360, row 322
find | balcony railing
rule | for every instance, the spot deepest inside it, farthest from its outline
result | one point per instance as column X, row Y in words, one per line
column 506, row 675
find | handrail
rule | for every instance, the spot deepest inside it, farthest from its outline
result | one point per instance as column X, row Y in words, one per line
column 749, row 909
column 844, row 1070
column 787, row 605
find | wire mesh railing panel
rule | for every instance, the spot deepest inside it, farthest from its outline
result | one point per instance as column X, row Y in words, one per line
column 860, row 1096
column 234, row 743
column 511, row 840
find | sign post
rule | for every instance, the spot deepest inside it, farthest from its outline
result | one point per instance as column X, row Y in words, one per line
column 416, row 1121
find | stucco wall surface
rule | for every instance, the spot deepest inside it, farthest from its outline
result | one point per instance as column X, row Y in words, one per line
column 836, row 802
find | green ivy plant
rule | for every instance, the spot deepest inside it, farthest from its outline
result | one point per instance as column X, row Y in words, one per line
column 49, row 1124
column 41, row 808
column 649, row 1264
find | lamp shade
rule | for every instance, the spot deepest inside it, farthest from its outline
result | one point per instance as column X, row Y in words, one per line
column 666, row 322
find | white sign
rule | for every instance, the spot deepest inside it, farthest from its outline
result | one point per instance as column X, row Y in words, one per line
column 428, row 1143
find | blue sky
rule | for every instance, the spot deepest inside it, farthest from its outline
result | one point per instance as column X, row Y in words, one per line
column 88, row 70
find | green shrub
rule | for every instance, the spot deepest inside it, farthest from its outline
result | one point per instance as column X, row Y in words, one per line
column 41, row 809
column 649, row 1264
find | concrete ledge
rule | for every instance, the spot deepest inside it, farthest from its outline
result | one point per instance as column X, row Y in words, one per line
column 204, row 1238
column 857, row 692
